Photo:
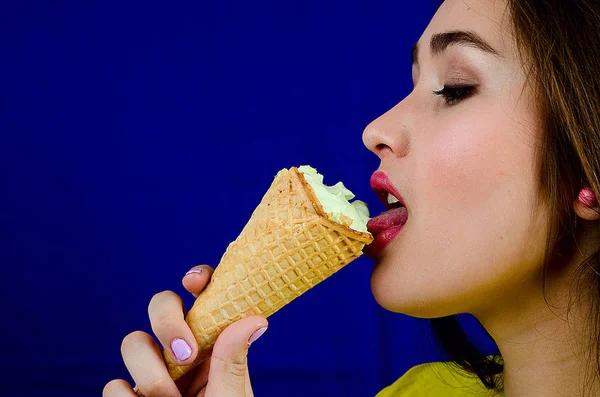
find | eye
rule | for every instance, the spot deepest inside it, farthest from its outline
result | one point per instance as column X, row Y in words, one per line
column 455, row 93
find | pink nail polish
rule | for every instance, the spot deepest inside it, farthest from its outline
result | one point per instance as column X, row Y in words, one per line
column 587, row 197
column 257, row 334
column 196, row 270
column 181, row 349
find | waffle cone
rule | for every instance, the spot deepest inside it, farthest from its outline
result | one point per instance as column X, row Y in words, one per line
column 288, row 246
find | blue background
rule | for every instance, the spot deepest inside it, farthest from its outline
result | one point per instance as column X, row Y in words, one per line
column 137, row 138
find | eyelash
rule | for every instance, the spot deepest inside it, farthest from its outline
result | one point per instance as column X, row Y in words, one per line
column 455, row 93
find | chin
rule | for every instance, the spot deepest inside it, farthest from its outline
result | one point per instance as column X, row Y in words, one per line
column 388, row 294
column 404, row 297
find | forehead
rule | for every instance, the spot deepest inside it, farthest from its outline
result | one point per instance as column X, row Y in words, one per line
column 490, row 19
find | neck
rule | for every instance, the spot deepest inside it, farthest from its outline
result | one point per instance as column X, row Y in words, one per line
column 547, row 347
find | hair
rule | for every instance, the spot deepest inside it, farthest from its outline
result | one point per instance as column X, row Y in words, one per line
column 558, row 42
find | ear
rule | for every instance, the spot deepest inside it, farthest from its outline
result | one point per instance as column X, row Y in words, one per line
column 586, row 212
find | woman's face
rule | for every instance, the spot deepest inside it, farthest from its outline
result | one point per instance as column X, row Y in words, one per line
column 464, row 165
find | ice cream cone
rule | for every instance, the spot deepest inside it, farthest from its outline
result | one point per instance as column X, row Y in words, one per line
column 288, row 246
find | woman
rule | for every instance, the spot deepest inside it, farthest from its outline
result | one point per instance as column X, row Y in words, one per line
column 496, row 155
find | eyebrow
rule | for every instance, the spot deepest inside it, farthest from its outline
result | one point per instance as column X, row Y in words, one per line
column 440, row 41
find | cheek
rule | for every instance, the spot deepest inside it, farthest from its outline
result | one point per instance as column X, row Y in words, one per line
column 467, row 160
column 484, row 149
column 479, row 160
column 474, row 183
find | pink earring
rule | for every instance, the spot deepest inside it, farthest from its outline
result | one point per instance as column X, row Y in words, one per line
column 587, row 197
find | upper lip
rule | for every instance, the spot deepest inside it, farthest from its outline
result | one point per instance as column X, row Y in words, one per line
column 382, row 185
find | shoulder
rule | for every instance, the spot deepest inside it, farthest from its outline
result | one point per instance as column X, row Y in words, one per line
column 436, row 379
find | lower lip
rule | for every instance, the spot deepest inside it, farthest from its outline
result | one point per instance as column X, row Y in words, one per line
column 382, row 240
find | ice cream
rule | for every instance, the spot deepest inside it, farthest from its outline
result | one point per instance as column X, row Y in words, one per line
column 335, row 201
column 301, row 233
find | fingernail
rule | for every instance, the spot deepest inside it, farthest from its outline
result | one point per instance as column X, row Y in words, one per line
column 257, row 334
column 196, row 270
column 181, row 349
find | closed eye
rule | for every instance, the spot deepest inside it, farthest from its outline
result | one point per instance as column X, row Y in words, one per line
column 455, row 93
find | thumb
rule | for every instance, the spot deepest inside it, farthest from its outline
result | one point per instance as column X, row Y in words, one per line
column 229, row 364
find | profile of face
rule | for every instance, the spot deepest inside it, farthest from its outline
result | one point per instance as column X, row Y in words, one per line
column 460, row 149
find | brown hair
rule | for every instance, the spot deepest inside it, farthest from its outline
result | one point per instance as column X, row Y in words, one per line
column 559, row 44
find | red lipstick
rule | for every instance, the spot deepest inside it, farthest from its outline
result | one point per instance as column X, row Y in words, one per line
column 386, row 226
column 382, row 185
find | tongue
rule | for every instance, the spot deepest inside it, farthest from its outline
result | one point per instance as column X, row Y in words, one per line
column 391, row 218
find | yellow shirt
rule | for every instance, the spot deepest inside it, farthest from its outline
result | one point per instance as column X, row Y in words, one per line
column 436, row 379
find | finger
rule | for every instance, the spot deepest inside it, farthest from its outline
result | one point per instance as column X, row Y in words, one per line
column 201, row 393
column 248, row 385
column 184, row 381
column 169, row 326
column 229, row 364
column 118, row 388
column 199, row 381
column 144, row 361
column 196, row 279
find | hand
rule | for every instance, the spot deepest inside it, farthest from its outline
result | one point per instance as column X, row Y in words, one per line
column 225, row 373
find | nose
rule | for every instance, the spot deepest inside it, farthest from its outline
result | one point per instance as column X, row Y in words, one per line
column 388, row 134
